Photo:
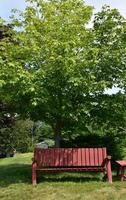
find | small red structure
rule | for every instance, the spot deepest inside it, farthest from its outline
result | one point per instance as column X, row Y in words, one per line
column 121, row 169
column 71, row 160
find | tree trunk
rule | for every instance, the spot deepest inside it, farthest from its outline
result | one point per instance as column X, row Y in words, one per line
column 57, row 134
column 57, row 140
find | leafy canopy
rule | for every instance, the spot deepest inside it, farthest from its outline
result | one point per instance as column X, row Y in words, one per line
column 54, row 67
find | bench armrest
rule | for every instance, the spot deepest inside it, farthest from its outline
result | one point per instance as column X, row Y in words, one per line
column 106, row 160
column 33, row 160
column 108, row 157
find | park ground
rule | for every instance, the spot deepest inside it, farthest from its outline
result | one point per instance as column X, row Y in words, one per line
column 15, row 184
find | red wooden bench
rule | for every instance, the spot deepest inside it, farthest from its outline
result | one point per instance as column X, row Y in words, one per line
column 71, row 159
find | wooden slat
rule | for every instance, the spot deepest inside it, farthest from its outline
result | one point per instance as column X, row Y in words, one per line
column 46, row 157
column 100, row 156
column 75, row 157
column 70, row 158
column 56, row 157
column 104, row 153
column 61, row 156
column 38, row 158
column 79, row 157
column 49, row 157
column 63, row 153
column 96, row 162
column 65, row 157
column 87, row 158
column 39, row 155
column 91, row 156
column 83, row 157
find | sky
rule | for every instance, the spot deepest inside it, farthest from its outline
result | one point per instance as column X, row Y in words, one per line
column 7, row 5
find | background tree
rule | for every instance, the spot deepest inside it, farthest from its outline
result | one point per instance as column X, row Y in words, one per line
column 6, row 113
column 106, row 126
column 16, row 138
column 110, row 47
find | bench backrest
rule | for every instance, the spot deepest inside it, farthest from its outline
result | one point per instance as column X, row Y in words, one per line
column 69, row 157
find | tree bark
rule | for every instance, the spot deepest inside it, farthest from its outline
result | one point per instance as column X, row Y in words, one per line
column 57, row 134
column 57, row 140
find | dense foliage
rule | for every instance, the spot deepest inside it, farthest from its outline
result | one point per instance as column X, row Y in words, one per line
column 17, row 138
column 55, row 69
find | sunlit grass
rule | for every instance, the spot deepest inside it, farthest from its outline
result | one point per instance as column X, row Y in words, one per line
column 15, row 184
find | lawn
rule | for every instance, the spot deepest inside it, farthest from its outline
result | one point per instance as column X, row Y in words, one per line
column 15, row 184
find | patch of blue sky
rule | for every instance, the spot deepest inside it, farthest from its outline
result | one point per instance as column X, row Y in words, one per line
column 120, row 5
column 7, row 5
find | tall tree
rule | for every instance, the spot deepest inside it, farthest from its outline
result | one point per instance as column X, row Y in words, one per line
column 56, row 64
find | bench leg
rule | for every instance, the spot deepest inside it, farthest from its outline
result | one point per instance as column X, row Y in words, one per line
column 34, row 174
column 109, row 172
column 118, row 171
column 122, row 173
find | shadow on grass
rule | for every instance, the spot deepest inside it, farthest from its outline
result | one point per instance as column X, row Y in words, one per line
column 68, row 177
column 15, row 173
column 21, row 173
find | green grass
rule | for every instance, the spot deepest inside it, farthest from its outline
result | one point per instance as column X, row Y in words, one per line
column 15, row 184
